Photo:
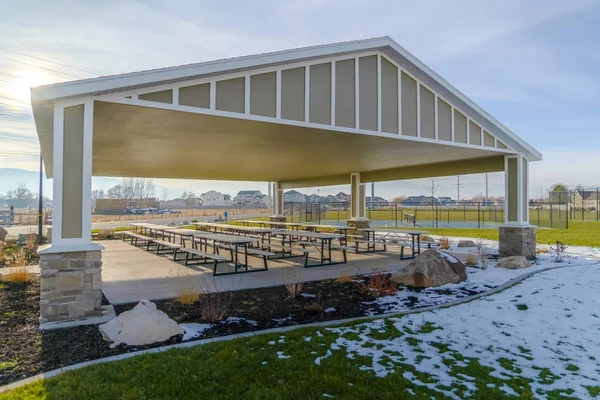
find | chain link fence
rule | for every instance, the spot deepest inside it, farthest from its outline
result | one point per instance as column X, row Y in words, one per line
column 478, row 215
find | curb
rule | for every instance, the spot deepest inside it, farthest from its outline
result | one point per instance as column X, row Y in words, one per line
column 193, row 343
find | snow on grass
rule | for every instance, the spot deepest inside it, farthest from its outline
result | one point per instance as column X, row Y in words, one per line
column 192, row 331
column 550, row 346
column 478, row 281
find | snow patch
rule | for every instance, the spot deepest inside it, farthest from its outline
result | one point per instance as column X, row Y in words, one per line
column 192, row 331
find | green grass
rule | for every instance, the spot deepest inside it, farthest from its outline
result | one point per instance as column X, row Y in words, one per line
column 578, row 234
column 249, row 368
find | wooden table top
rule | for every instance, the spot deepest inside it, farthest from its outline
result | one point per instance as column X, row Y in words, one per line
column 309, row 234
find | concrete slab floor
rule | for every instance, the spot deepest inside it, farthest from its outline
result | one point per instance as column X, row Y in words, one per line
column 131, row 274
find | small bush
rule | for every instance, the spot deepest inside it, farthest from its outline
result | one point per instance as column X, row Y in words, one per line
column 18, row 274
column 17, row 258
column 105, row 234
column 292, row 279
column 344, row 279
column 31, row 243
column 215, row 301
column 379, row 285
column 194, row 221
column 188, row 295
column 557, row 252
column 313, row 307
column 444, row 243
column 471, row 260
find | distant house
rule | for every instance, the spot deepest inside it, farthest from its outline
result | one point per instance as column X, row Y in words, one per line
column 246, row 197
column 212, row 198
column 377, row 201
column 419, row 200
column 343, row 196
column 315, row 198
column 586, row 200
column 446, row 201
column 293, row 196
column 261, row 201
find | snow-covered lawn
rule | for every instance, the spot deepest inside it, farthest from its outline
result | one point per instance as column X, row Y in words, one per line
column 540, row 337
column 478, row 281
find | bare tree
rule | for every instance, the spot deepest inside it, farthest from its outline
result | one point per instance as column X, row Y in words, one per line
column 98, row 194
column 432, row 189
column 131, row 189
column 165, row 194
column 20, row 193
column 399, row 199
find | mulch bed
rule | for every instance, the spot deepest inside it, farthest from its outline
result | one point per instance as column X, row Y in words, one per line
column 25, row 351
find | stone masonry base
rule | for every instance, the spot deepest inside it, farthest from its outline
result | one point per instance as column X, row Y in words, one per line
column 71, row 285
column 517, row 241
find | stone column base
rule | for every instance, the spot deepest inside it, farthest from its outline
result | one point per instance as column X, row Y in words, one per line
column 70, row 285
column 517, row 241
column 278, row 218
column 359, row 224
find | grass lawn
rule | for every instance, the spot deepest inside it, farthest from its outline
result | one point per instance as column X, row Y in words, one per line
column 486, row 349
column 578, row 234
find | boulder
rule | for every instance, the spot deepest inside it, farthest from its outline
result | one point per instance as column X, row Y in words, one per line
column 425, row 238
column 513, row 262
column 3, row 233
column 432, row 268
column 466, row 243
column 142, row 325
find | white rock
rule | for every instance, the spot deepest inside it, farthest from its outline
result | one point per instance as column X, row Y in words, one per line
column 142, row 325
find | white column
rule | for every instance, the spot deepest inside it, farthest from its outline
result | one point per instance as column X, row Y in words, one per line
column 72, row 176
column 516, row 202
column 278, row 200
column 357, row 197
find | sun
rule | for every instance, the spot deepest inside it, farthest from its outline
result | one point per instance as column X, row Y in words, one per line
column 19, row 88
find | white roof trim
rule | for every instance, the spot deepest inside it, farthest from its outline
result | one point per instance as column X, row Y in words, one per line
column 49, row 93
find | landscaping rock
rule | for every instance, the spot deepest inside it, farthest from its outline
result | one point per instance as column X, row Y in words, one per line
column 3, row 233
column 425, row 238
column 431, row 268
column 466, row 243
column 144, row 324
column 513, row 262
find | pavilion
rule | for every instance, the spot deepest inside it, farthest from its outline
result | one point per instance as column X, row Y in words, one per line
column 353, row 112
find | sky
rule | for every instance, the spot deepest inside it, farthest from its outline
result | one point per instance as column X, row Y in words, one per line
column 532, row 64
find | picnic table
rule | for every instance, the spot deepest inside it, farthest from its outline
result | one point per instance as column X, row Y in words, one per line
column 237, row 245
column 342, row 229
column 392, row 236
column 322, row 242
column 263, row 224
column 263, row 233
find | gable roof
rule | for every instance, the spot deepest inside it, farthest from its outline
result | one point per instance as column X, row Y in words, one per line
column 160, row 76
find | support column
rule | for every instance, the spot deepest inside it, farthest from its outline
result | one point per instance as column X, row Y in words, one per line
column 357, row 203
column 71, row 266
column 278, row 212
column 517, row 236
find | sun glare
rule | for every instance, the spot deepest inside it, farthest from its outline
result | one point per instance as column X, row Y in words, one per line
column 19, row 89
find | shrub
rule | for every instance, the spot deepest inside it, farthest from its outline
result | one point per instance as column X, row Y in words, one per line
column 471, row 260
column 444, row 243
column 31, row 243
column 18, row 258
column 379, row 285
column 18, row 274
column 557, row 252
column 105, row 234
column 215, row 300
column 482, row 252
column 344, row 279
column 188, row 295
column 292, row 279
